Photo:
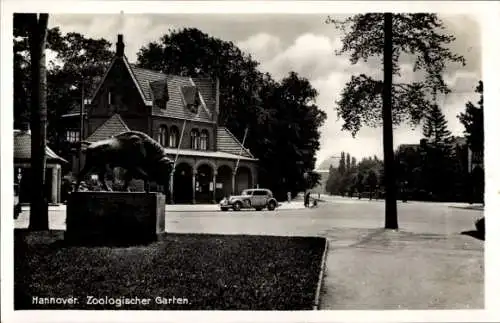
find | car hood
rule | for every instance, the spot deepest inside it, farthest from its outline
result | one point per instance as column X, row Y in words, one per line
column 232, row 197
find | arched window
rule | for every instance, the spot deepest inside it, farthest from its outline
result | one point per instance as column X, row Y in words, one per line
column 173, row 139
column 162, row 135
column 195, row 139
column 204, row 140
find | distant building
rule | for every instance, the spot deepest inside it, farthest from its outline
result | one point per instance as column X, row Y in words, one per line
column 179, row 112
column 468, row 159
column 22, row 168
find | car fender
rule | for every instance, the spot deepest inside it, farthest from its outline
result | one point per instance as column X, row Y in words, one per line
column 272, row 200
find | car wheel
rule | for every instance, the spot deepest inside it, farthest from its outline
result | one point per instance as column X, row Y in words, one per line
column 258, row 209
column 237, row 206
column 271, row 206
column 224, row 208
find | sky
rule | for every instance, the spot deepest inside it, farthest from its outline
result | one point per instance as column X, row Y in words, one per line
column 304, row 44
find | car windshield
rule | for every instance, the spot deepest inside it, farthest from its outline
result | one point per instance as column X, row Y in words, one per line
column 246, row 192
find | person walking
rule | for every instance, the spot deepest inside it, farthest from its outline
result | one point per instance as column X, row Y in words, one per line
column 307, row 198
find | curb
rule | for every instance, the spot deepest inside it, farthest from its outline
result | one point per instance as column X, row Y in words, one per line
column 320, row 277
column 218, row 210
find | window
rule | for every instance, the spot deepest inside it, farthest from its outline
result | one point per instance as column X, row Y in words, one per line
column 195, row 139
column 204, row 140
column 173, row 139
column 162, row 135
column 111, row 97
column 72, row 135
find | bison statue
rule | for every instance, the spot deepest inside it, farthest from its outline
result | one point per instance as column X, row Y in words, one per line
column 137, row 153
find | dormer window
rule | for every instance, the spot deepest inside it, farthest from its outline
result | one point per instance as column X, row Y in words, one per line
column 191, row 98
column 160, row 93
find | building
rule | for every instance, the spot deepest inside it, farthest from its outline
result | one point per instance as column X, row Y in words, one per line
column 179, row 112
column 22, row 168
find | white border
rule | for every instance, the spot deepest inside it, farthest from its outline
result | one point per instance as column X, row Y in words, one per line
column 489, row 12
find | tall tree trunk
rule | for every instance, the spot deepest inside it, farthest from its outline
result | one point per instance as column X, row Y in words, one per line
column 39, row 219
column 391, row 213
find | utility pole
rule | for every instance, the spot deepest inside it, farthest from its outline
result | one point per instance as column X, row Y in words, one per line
column 172, row 174
column 238, row 161
column 82, row 111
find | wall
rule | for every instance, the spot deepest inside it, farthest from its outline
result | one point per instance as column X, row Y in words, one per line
column 186, row 140
column 127, row 101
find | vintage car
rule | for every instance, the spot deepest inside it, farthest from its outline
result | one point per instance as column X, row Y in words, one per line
column 255, row 198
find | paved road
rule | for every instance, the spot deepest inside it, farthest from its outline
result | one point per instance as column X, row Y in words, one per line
column 427, row 264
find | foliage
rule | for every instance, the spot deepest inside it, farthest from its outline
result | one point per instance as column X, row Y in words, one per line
column 77, row 58
column 418, row 35
column 372, row 102
column 473, row 121
column 435, row 128
column 361, row 177
column 433, row 172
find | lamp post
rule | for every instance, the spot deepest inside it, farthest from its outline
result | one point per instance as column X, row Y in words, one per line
column 82, row 108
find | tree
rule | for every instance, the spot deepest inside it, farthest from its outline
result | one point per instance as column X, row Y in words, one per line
column 342, row 164
column 371, row 181
column 348, row 162
column 473, row 121
column 298, row 122
column 22, row 66
column 78, row 61
column 372, row 102
column 435, row 128
column 440, row 165
column 359, row 183
column 36, row 28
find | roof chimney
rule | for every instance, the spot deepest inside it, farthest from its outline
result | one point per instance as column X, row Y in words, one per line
column 120, row 46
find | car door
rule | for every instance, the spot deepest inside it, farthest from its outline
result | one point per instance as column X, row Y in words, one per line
column 248, row 199
column 259, row 198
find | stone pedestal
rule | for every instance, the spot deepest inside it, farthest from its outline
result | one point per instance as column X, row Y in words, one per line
column 114, row 217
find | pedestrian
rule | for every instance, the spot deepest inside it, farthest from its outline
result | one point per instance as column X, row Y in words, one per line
column 289, row 196
column 308, row 197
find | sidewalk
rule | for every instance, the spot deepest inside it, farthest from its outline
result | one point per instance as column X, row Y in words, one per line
column 293, row 205
column 382, row 270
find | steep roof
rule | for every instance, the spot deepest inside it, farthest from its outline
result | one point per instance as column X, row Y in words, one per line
column 109, row 128
column 227, row 142
column 22, row 148
column 176, row 107
column 151, row 85
column 144, row 77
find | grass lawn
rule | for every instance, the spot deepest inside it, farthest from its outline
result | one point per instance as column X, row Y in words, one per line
column 204, row 272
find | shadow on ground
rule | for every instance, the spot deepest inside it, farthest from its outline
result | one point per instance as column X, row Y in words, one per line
column 474, row 234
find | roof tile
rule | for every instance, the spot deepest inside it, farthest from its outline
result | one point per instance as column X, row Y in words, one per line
column 227, row 142
column 149, row 82
column 22, row 148
column 109, row 128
